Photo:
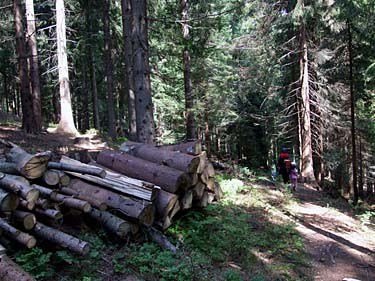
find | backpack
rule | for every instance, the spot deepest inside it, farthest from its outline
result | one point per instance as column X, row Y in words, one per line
column 287, row 164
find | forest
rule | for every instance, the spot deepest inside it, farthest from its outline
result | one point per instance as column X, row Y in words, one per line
column 245, row 78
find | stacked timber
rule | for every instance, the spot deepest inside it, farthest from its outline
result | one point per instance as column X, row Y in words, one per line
column 183, row 172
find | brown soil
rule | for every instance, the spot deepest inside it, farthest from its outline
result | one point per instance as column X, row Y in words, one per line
column 339, row 245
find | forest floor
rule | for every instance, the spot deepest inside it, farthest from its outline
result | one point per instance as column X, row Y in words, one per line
column 338, row 244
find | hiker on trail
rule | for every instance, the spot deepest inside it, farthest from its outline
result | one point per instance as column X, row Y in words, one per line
column 293, row 174
column 273, row 171
column 283, row 165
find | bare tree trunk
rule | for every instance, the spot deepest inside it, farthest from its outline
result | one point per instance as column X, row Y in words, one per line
column 141, row 68
column 26, row 99
column 66, row 123
column 352, row 115
column 307, row 170
column 129, row 75
column 34, row 65
column 191, row 132
column 109, row 71
column 94, row 91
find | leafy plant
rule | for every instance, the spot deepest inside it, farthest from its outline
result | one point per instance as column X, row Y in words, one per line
column 34, row 261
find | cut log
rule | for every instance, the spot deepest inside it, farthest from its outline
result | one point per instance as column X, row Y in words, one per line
column 175, row 210
column 210, row 169
column 31, row 166
column 187, row 200
column 8, row 201
column 10, row 271
column 49, row 213
column 210, row 184
column 139, row 210
column 93, row 202
column 42, row 203
column 17, row 235
column 191, row 147
column 71, row 202
column 173, row 159
column 51, row 177
column 9, row 168
column 47, row 192
column 198, row 190
column 218, row 191
column 210, row 197
column 203, row 202
column 169, row 179
column 202, row 162
column 64, row 178
column 160, row 239
column 19, row 178
column 112, row 223
column 194, row 178
column 25, row 219
column 27, row 205
column 164, row 203
column 62, row 239
column 81, row 168
column 24, row 190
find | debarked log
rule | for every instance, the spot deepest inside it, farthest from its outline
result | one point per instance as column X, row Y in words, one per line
column 17, row 235
column 139, row 210
column 112, row 223
column 79, row 168
column 10, row 271
column 176, row 160
column 167, row 178
column 62, row 239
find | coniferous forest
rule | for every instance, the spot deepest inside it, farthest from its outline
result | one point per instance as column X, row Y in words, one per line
column 247, row 78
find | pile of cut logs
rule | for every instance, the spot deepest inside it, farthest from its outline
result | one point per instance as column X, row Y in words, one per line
column 139, row 185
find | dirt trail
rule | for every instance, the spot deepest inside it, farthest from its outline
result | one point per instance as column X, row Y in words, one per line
column 339, row 245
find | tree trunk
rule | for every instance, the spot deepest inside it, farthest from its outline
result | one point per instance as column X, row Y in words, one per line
column 34, row 66
column 109, row 71
column 129, row 77
column 62, row 239
column 176, row 160
column 26, row 99
column 307, row 170
column 141, row 68
column 352, row 115
column 169, row 179
column 66, row 123
column 138, row 210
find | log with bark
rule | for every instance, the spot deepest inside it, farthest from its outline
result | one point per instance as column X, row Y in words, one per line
column 10, row 271
column 79, row 168
column 9, row 183
column 2, row 250
column 62, row 239
column 17, row 235
column 173, row 159
column 112, row 223
column 8, row 201
column 26, row 219
column 139, row 210
column 51, row 177
column 190, row 147
column 186, row 200
column 167, row 178
column 31, row 166
column 9, row 168
column 102, row 206
column 49, row 213
column 160, row 239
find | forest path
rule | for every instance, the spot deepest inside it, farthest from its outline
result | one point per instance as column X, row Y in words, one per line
column 339, row 245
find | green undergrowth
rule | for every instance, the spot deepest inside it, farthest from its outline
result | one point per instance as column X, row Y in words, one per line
column 236, row 239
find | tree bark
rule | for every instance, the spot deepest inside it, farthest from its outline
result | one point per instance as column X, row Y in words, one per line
column 138, row 210
column 81, row 168
column 10, row 271
column 8, row 201
column 129, row 75
column 175, row 160
column 26, row 99
column 191, row 147
column 34, row 66
column 352, row 116
column 26, row 219
column 109, row 71
column 141, row 68
column 169, row 179
column 25, row 191
column 66, row 123
column 307, row 170
column 95, row 203
column 16, row 235
column 62, row 239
